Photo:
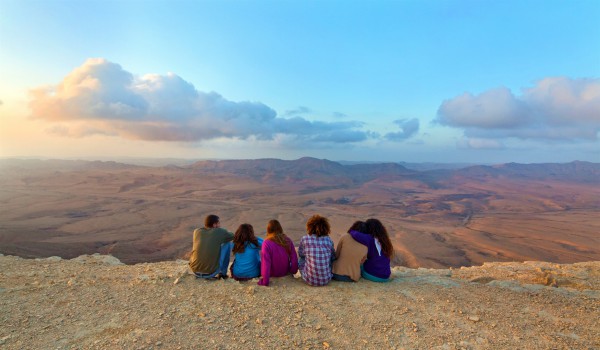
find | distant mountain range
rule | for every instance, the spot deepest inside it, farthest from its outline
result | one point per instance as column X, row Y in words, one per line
column 326, row 171
column 312, row 168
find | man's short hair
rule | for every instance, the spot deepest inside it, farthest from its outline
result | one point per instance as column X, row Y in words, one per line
column 210, row 221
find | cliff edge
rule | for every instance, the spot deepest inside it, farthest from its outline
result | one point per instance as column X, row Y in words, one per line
column 95, row 302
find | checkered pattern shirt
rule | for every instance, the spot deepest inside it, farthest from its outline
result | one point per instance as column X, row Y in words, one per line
column 316, row 255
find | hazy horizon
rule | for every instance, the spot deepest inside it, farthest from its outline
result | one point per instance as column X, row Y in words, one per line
column 166, row 160
column 412, row 81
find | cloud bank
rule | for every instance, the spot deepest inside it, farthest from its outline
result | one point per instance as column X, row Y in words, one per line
column 100, row 97
column 554, row 109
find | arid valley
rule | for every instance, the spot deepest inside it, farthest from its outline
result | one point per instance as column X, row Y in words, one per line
column 437, row 218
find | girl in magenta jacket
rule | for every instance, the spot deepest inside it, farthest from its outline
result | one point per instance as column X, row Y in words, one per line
column 278, row 256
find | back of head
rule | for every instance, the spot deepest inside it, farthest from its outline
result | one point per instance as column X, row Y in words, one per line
column 376, row 229
column 318, row 225
column 274, row 227
column 358, row 226
column 244, row 233
column 275, row 234
column 211, row 220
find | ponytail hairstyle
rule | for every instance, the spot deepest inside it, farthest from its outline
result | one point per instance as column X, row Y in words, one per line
column 243, row 235
column 376, row 229
column 275, row 234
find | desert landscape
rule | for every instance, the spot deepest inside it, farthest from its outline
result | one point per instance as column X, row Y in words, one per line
column 437, row 218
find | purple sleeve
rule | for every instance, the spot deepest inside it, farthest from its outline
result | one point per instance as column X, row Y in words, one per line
column 293, row 259
column 361, row 238
column 265, row 264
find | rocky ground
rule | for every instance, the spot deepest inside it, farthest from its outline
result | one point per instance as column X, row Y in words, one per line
column 95, row 302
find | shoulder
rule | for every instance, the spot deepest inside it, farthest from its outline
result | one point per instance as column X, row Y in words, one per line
column 267, row 243
column 345, row 237
column 220, row 231
column 260, row 240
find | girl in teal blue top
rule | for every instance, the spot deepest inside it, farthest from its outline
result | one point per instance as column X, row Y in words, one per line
column 246, row 251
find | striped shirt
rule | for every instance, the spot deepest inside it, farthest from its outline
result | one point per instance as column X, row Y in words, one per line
column 316, row 255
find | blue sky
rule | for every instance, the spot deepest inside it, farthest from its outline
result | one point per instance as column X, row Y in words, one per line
column 439, row 81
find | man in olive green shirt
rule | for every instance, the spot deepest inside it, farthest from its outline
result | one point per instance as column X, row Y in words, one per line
column 211, row 249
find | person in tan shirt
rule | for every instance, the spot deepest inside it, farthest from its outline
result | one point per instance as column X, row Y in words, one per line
column 349, row 256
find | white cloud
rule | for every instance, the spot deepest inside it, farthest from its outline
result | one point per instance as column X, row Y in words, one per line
column 109, row 100
column 555, row 108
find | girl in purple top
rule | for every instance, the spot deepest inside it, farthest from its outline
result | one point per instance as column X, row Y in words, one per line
column 380, row 250
column 278, row 255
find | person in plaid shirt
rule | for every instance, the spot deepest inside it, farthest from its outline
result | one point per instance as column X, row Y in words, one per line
column 316, row 252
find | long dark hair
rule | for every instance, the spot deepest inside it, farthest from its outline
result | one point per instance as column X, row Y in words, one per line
column 376, row 229
column 244, row 233
column 275, row 234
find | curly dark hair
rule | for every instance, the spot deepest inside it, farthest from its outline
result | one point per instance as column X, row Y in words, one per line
column 244, row 233
column 318, row 225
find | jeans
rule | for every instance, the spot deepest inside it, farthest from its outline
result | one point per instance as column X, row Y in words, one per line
column 342, row 278
column 223, row 262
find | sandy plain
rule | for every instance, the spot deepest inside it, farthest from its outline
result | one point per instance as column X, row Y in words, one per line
column 436, row 219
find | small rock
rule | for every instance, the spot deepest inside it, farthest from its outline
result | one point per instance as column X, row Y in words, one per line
column 158, row 343
column 202, row 314
column 259, row 321
column 318, row 327
column 4, row 339
column 326, row 345
column 177, row 280
column 473, row 318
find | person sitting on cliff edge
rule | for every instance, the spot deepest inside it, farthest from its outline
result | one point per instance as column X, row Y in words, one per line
column 211, row 249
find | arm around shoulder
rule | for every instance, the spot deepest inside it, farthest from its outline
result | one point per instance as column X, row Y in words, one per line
column 360, row 237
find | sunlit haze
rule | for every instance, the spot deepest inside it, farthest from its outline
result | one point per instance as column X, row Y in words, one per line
column 415, row 81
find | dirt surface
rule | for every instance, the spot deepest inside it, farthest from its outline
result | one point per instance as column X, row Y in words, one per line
column 95, row 302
